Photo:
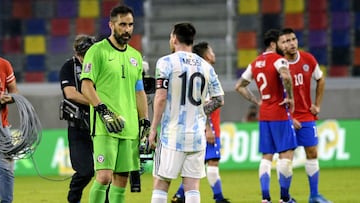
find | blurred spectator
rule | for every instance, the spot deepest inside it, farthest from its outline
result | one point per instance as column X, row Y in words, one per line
column 251, row 115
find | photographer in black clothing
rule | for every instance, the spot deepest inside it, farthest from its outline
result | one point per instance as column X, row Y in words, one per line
column 75, row 109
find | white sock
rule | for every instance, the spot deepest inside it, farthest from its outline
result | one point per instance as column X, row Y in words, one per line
column 212, row 174
column 265, row 167
column 192, row 196
column 284, row 166
column 159, row 196
column 311, row 166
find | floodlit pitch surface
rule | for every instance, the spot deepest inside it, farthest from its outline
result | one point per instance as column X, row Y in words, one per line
column 341, row 185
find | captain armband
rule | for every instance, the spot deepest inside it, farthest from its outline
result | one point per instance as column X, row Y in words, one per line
column 162, row 83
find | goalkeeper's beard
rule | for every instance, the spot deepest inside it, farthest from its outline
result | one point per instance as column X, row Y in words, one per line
column 122, row 39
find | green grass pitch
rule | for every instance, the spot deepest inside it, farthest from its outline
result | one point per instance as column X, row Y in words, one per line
column 341, row 185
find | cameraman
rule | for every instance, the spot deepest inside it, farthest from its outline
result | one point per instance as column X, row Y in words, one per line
column 80, row 141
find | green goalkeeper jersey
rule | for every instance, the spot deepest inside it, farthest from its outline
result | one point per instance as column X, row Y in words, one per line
column 115, row 74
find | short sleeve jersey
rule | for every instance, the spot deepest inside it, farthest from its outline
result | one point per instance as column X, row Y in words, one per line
column 190, row 78
column 70, row 76
column 115, row 74
column 6, row 76
column 303, row 69
column 264, row 70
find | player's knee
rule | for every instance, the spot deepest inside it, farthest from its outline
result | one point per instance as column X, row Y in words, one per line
column 311, row 152
column 104, row 177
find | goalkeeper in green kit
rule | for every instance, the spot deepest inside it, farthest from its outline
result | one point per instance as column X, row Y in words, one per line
column 112, row 82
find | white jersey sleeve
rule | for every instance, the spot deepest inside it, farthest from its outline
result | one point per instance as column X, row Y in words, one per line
column 281, row 62
column 317, row 74
column 190, row 79
column 247, row 74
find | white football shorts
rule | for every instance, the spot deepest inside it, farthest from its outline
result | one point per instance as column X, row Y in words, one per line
column 168, row 163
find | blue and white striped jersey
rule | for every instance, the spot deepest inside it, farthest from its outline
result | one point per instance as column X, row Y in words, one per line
column 190, row 78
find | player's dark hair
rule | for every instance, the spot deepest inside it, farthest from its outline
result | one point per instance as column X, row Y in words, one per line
column 200, row 48
column 185, row 32
column 271, row 35
column 120, row 9
column 286, row 31
column 82, row 43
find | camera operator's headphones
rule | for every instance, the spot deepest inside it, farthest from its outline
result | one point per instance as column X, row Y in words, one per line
column 84, row 44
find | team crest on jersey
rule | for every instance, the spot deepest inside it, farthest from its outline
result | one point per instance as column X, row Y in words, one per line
column 133, row 61
column 87, row 68
column 284, row 62
column 306, row 68
column 100, row 158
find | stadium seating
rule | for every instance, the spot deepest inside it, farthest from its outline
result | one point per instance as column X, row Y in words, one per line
column 271, row 6
column 318, row 20
column 67, row 9
column 137, row 6
column 356, row 56
column 136, row 41
column 340, row 56
column 339, row 71
column 17, row 61
column 60, row 27
column 357, row 37
column 35, row 63
column 85, row 26
column 329, row 29
column 12, row 45
column 340, row 20
column 318, row 38
column 246, row 40
column 88, row 9
column 294, row 6
column 321, row 54
column 248, row 7
column 21, row 9
column 245, row 56
column 356, row 6
column 35, row 26
column 271, row 21
column 340, row 38
column 53, row 76
column 294, row 20
column 247, row 22
column 317, row 6
column 300, row 36
column 43, row 9
column 59, row 45
column 35, row 44
column 356, row 71
column 34, row 77
column 106, row 7
column 339, row 5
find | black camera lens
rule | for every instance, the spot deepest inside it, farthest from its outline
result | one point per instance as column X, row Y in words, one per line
column 135, row 183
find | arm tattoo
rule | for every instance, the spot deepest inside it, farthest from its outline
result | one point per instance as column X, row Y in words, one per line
column 288, row 87
column 215, row 103
column 287, row 82
column 250, row 96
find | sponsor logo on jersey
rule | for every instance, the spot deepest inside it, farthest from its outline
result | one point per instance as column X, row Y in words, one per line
column 87, row 67
column 306, row 68
column 133, row 61
column 260, row 64
column 100, row 158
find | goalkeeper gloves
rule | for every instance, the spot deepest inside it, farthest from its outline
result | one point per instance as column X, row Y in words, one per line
column 114, row 123
column 144, row 130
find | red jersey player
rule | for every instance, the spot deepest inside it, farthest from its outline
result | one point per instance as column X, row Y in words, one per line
column 304, row 68
column 271, row 74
